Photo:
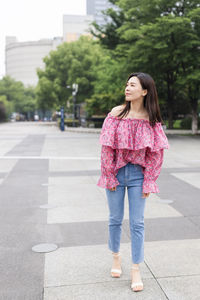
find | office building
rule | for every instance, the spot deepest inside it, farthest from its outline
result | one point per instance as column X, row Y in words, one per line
column 76, row 25
column 23, row 58
column 95, row 8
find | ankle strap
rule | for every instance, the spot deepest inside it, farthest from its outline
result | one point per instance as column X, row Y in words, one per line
column 116, row 254
column 135, row 268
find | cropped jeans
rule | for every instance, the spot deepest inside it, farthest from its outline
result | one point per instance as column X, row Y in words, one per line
column 129, row 176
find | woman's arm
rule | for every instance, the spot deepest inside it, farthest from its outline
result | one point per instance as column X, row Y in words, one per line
column 108, row 178
column 154, row 162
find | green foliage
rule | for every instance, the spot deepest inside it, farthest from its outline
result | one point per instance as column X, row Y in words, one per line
column 108, row 86
column 70, row 63
column 161, row 38
column 187, row 123
column 28, row 101
column 2, row 112
column 15, row 97
column 108, row 34
column 13, row 90
column 6, row 108
column 100, row 103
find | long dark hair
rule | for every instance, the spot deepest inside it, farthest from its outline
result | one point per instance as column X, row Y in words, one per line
column 150, row 99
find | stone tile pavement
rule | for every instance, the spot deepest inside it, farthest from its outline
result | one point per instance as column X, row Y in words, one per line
column 39, row 164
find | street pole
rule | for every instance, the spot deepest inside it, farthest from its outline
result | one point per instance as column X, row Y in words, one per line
column 74, row 109
column 62, row 119
column 74, row 92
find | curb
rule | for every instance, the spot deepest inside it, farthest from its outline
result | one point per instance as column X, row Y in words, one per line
column 98, row 130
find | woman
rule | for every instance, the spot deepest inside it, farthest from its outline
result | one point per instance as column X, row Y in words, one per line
column 133, row 142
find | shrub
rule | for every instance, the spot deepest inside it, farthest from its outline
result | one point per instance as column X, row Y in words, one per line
column 187, row 123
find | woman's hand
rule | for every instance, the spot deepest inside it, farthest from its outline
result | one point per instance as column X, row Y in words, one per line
column 145, row 195
column 113, row 189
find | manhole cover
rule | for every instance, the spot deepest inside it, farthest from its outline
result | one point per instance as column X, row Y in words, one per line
column 44, row 247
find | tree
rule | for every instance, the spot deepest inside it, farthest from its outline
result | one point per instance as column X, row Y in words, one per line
column 12, row 89
column 164, row 49
column 107, row 34
column 27, row 104
column 108, row 85
column 16, row 97
column 162, row 38
column 70, row 63
column 191, row 68
column 6, row 108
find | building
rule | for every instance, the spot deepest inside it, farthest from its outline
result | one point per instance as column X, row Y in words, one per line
column 76, row 25
column 95, row 8
column 23, row 58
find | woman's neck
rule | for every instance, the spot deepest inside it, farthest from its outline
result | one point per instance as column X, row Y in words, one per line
column 137, row 107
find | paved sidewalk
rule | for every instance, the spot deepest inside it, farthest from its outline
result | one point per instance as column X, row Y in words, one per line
column 39, row 164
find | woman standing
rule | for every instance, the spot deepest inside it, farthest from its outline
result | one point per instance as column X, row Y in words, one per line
column 133, row 142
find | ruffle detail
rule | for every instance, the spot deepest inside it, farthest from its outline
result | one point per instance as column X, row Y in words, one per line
column 107, row 182
column 150, row 187
column 132, row 134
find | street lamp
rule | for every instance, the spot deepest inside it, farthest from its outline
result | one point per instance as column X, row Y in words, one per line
column 74, row 92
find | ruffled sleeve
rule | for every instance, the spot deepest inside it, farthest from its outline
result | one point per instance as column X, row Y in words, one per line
column 107, row 178
column 154, row 159
column 152, row 170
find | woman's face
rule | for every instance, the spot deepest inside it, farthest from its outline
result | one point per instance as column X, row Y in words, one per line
column 133, row 89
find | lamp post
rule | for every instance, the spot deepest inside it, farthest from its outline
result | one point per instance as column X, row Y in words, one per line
column 74, row 92
column 62, row 119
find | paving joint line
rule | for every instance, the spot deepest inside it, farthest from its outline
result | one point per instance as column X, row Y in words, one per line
column 174, row 276
column 113, row 281
column 52, row 157
column 197, row 225
column 156, row 280
column 90, row 283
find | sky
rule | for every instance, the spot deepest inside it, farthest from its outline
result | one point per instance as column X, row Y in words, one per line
column 30, row 20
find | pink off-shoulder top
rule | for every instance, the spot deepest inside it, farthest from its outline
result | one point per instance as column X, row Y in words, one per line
column 131, row 140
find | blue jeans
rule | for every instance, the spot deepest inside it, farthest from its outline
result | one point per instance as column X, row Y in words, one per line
column 129, row 176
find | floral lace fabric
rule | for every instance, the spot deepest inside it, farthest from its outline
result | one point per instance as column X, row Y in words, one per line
column 135, row 141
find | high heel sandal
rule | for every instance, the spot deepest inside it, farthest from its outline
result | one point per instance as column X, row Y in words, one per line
column 117, row 272
column 134, row 284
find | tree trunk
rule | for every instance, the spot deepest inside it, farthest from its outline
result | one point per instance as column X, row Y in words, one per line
column 170, row 117
column 170, row 100
column 194, row 103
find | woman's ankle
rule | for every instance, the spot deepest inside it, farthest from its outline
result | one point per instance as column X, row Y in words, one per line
column 116, row 253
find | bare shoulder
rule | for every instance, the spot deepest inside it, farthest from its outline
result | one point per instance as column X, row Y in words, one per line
column 116, row 110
